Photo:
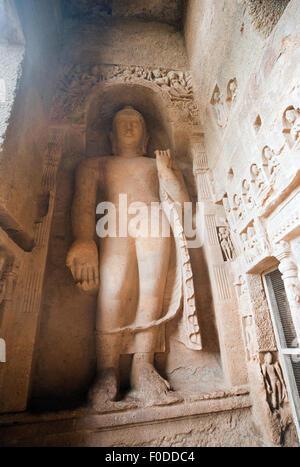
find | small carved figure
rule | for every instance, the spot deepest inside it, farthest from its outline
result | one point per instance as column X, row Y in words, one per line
column 253, row 242
column 248, row 200
column 272, row 162
column 263, row 243
column 248, row 253
column 249, row 337
column 291, row 120
column 178, row 86
column 161, row 79
column 232, row 90
column 261, row 186
column 216, row 102
column 274, row 382
column 226, row 243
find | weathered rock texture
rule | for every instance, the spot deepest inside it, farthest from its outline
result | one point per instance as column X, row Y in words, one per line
column 266, row 14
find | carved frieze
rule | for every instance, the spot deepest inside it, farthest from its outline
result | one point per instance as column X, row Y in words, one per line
column 285, row 222
column 78, row 81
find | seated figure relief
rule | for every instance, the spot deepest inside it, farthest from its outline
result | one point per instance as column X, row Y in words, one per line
column 130, row 274
column 271, row 161
column 291, row 119
column 232, row 91
column 260, row 184
column 218, row 104
column 238, row 208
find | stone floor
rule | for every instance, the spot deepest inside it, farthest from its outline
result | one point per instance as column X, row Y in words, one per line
column 217, row 419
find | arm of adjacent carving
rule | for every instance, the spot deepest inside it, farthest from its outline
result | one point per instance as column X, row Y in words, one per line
column 84, row 202
column 171, row 177
column 83, row 255
column 281, row 379
column 264, row 372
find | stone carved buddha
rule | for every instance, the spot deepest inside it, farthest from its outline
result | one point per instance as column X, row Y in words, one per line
column 131, row 274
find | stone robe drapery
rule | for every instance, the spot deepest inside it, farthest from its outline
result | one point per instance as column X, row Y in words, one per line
column 179, row 298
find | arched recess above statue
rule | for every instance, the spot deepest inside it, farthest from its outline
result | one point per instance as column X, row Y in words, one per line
column 87, row 101
column 110, row 97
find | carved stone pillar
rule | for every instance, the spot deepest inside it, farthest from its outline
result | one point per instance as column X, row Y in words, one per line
column 21, row 318
column 220, row 272
column 289, row 271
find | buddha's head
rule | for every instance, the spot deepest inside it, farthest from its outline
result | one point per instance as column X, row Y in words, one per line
column 129, row 136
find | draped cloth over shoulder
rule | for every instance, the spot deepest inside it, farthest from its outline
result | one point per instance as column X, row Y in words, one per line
column 179, row 298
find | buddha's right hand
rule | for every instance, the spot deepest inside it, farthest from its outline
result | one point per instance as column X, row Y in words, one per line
column 83, row 262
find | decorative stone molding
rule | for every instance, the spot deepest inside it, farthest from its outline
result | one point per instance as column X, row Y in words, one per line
column 211, row 229
column 289, row 270
column 286, row 222
column 221, row 280
column 254, row 303
column 79, row 81
column 201, row 170
column 33, row 278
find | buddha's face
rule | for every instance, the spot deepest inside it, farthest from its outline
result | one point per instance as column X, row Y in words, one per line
column 129, row 129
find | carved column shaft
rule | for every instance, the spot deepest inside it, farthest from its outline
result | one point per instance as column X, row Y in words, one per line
column 289, row 271
column 225, row 305
column 21, row 324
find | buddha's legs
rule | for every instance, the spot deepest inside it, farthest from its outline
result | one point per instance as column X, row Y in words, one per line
column 118, row 270
column 153, row 260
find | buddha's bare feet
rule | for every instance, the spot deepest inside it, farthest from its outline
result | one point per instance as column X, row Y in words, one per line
column 104, row 389
column 149, row 386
